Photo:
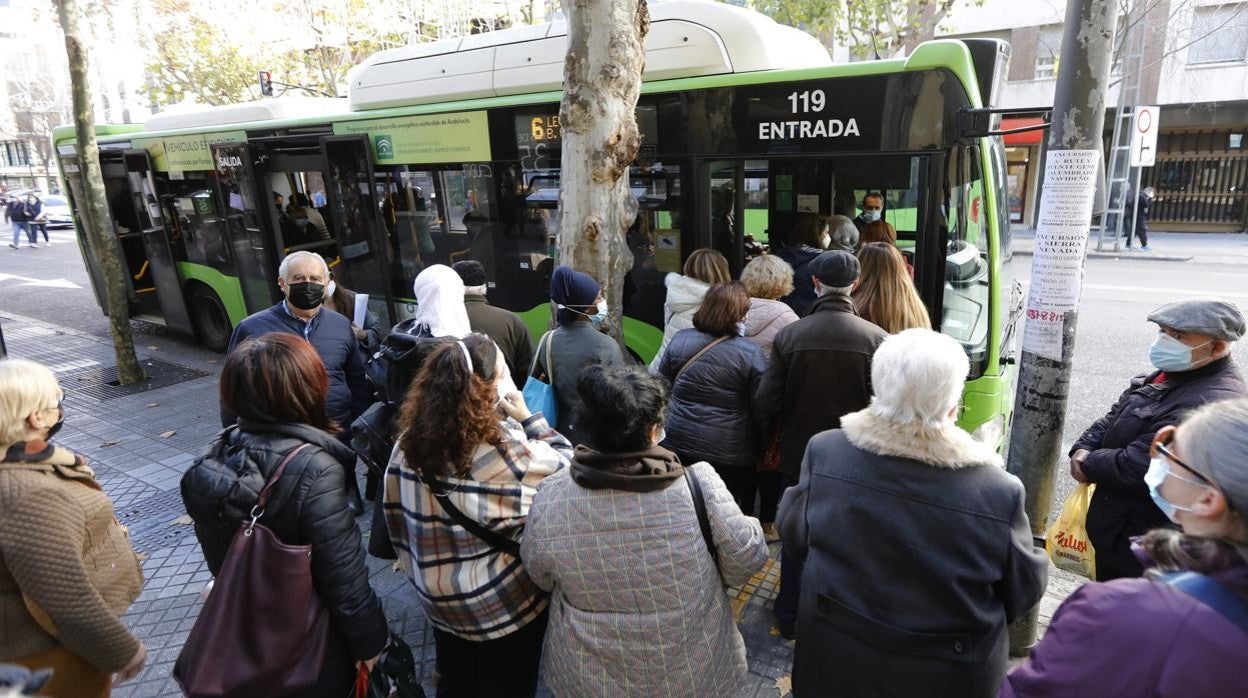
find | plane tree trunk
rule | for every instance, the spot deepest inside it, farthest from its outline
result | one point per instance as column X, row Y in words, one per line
column 94, row 201
column 602, row 81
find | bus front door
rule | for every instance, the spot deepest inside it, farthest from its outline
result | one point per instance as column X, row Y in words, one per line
column 159, row 266
column 254, row 261
column 354, row 208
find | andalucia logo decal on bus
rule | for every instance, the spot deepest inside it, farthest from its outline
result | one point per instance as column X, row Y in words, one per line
column 383, row 145
column 424, row 138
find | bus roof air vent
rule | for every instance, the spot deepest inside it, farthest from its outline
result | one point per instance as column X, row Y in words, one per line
column 688, row 38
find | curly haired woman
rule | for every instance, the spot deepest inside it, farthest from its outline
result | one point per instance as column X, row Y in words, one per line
column 458, row 491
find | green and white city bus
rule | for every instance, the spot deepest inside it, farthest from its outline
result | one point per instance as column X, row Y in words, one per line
column 451, row 151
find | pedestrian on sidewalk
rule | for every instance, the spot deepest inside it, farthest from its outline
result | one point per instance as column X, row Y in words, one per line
column 503, row 326
column 703, row 268
column 1143, row 207
column 278, row 387
column 820, row 371
column 302, row 278
column 67, row 571
column 916, row 546
column 1168, row 634
column 1192, row 357
column 638, row 605
column 36, row 219
column 15, row 212
column 457, row 496
column 767, row 279
column 714, row 372
column 575, row 344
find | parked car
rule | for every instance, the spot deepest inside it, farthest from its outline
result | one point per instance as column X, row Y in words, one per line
column 59, row 214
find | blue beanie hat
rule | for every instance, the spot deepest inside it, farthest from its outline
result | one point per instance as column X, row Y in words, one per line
column 572, row 289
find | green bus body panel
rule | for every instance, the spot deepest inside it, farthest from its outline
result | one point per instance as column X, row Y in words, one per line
column 642, row 337
column 226, row 287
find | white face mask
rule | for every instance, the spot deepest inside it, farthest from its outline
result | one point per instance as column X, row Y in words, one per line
column 329, row 290
column 825, row 241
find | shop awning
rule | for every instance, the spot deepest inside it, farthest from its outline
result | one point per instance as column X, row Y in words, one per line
column 1026, row 138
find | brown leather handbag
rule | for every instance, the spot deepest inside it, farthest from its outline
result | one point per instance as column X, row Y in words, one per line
column 263, row 630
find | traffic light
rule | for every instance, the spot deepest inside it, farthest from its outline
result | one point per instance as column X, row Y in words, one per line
column 266, row 83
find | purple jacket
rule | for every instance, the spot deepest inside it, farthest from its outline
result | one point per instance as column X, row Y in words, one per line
column 1136, row 637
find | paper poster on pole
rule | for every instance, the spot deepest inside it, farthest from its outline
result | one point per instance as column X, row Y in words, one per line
column 361, row 309
column 1061, row 240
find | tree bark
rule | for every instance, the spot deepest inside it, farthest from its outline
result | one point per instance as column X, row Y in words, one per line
column 601, row 83
column 97, row 226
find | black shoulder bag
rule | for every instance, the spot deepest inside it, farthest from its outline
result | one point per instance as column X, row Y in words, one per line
column 704, row 521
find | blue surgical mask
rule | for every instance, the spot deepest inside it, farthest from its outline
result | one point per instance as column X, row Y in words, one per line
column 1158, row 469
column 740, row 329
column 600, row 316
column 870, row 216
column 1169, row 354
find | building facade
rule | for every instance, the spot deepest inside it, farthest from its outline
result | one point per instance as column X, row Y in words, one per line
column 1194, row 67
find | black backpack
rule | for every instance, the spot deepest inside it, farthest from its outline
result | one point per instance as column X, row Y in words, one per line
column 393, row 366
column 390, row 371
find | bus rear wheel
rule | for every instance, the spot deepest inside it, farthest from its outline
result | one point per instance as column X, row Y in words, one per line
column 212, row 324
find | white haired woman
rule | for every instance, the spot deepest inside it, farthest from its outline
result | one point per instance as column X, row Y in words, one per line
column 67, row 572
column 917, row 549
column 1178, row 623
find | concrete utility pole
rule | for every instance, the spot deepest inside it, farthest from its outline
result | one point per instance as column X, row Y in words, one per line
column 1070, row 180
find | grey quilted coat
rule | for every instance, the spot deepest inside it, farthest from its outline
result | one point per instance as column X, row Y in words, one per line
column 637, row 607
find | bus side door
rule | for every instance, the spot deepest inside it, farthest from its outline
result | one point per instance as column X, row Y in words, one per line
column 254, row 260
column 355, row 210
column 155, row 238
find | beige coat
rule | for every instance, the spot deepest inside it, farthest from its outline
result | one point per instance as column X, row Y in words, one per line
column 637, row 607
column 66, row 565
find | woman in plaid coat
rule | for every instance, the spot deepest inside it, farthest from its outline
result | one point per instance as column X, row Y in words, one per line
column 637, row 603
column 458, row 454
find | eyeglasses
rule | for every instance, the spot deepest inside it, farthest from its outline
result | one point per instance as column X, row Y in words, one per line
column 1161, row 444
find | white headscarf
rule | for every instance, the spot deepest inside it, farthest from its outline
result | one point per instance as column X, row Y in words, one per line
column 440, row 302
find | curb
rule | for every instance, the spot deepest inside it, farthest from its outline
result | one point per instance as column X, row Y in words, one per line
column 1133, row 256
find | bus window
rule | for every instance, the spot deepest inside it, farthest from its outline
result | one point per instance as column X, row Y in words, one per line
column 654, row 239
column 965, row 315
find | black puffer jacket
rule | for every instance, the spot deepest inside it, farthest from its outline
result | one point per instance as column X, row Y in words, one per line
column 308, row 506
column 712, row 415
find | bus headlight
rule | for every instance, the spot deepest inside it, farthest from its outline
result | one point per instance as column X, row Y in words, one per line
column 990, row 432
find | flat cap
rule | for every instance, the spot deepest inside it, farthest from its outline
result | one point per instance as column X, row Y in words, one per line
column 1207, row 316
column 835, row 268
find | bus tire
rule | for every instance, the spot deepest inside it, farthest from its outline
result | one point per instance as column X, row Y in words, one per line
column 212, row 323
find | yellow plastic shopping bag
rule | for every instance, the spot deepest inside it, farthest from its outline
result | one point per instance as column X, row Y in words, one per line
column 1067, row 541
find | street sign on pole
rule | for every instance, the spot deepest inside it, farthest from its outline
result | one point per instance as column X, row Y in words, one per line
column 1144, row 137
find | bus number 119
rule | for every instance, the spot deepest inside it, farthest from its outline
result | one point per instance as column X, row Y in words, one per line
column 810, row 100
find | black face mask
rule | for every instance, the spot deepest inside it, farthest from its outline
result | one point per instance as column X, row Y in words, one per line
column 305, row 295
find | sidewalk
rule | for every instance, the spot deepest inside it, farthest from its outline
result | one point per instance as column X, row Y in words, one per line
column 140, row 439
column 1206, row 248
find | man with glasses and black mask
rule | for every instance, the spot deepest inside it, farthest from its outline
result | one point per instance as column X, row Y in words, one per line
column 303, row 277
column 1192, row 358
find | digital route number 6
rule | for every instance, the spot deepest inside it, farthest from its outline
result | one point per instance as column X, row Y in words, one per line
column 810, row 100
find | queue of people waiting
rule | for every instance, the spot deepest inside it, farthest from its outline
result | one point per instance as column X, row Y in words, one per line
column 592, row 549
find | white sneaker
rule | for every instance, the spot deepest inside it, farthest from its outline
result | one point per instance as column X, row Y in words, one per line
column 34, row 244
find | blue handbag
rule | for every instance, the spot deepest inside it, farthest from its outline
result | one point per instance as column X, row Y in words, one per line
column 539, row 390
